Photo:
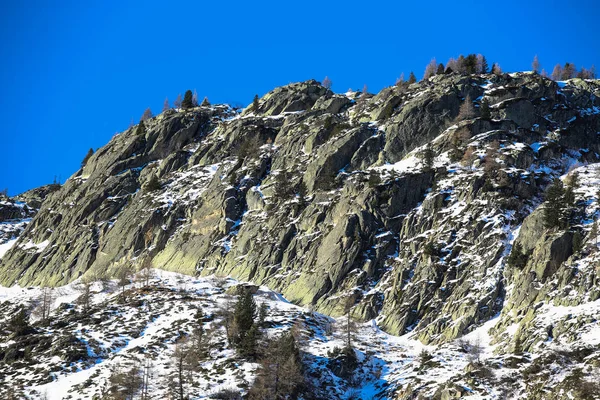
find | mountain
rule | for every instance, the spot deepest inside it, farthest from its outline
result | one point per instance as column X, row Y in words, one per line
column 403, row 208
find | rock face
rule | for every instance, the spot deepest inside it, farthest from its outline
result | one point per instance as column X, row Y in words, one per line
column 327, row 199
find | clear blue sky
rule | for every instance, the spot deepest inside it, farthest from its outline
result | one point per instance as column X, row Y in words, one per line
column 72, row 73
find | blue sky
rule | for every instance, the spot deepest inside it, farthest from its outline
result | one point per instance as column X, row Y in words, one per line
column 73, row 73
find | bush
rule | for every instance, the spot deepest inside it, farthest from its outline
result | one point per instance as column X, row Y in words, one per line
column 153, row 184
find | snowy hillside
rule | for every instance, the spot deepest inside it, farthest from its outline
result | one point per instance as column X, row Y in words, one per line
column 74, row 355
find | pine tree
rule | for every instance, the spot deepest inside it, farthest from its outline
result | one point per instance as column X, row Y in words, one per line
column 205, row 102
column 188, row 100
column 247, row 333
column 484, row 109
column 280, row 374
column 440, row 69
column 471, row 64
column 535, row 65
column 255, row 105
column 87, row 157
column 427, row 157
column 412, row 78
column 577, row 242
column 517, row 258
column 594, row 233
column 141, row 128
column 19, row 323
column 554, row 207
column 166, row 105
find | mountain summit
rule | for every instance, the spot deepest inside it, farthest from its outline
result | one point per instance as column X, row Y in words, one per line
column 433, row 208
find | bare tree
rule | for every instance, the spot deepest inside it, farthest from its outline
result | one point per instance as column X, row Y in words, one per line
column 535, row 65
column 44, row 303
column 431, row 69
column 496, row 70
column 327, row 82
column 452, row 65
column 147, row 114
column 178, row 101
column 400, row 81
column 166, row 105
column 556, row 73
column 146, row 377
column 123, row 275
column 181, row 360
column 195, row 99
column 145, row 272
column 544, row 73
column 481, row 64
column 469, row 157
column 467, row 110
column 569, row 71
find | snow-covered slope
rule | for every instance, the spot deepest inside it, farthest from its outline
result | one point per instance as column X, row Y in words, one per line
column 80, row 352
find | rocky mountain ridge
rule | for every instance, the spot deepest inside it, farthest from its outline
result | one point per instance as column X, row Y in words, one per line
column 327, row 199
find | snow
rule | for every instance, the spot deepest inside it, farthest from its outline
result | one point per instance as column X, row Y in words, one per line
column 6, row 246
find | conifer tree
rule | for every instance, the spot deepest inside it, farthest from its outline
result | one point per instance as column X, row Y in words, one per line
column 255, row 105
column 554, row 207
column 412, row 78
column 87, row 157
column 19, row 323
column 141, row 128
column 484, row 109
column 470, row 64
column 577, row 242
column 440, row 69
column 188, row 100
column 246, row 333
column 427, row 157
column 517, row 258
column 594, row 233
column 205, row 102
